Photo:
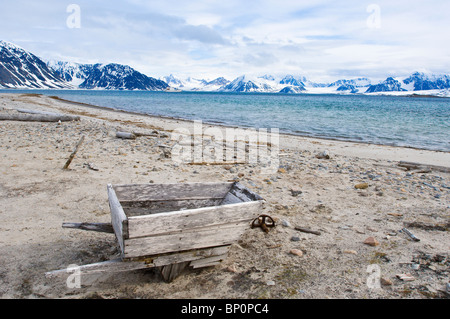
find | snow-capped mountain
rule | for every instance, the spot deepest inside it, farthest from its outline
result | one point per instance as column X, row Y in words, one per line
column 74, row 73
column 265, row 84
column 193, row 84
column 351, row 86
column 21, row 69
column 388, row 85
column 106, row 76
column 422, row 81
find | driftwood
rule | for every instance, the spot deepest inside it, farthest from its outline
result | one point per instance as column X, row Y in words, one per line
column 66, row 166
column 307, row 230
column 423, row 168
column 38, row 117
column 126, row 135
column 38, row 112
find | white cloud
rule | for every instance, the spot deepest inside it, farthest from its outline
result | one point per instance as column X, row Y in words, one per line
column 213, row 38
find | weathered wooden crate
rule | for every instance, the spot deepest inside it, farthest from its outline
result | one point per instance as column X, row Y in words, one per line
column 172, row 226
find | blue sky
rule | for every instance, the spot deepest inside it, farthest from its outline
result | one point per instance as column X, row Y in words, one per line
column 322, row 40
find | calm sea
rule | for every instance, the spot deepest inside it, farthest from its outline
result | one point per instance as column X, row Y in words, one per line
column 418, row 122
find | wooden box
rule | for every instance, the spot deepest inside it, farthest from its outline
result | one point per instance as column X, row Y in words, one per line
column 155, row 219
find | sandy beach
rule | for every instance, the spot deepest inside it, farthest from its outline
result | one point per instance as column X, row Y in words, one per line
column 37, row 196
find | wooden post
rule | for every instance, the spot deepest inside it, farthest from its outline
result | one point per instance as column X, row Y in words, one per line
column 170, row 272
column 66, row 166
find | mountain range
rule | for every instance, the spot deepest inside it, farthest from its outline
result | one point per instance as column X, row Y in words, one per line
column 21, row 69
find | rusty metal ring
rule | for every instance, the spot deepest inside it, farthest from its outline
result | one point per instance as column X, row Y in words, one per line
column 260, row 221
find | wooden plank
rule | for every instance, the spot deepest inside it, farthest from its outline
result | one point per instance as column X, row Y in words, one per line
column 192, row 239
column 177, row 257
column 154, row 207
column 120, row 265
column 175, row 191
column 170, row 272
column 118, row 217
column 207, row 262
column 162, row 223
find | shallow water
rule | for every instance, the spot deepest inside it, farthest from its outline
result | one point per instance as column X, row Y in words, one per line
column 419, row 122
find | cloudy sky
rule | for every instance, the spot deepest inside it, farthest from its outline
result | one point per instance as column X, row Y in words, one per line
column 322, row 40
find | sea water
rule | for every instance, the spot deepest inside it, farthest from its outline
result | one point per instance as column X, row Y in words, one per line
column 419, row 122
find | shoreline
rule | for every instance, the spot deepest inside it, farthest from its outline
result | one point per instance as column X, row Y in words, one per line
column 290, row 138
column 240, row 127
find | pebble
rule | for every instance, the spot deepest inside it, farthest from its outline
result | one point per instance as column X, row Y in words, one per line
column 385, row 281
column 285, row 223
column 352, row 252
column 323, row 155
column 371, row 241
column 297, row 252
column 295, row 192
column 361, row 186
column 295, row 238
column 270, row 283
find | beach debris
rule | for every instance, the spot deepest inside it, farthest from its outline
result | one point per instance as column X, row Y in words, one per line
column 395, row 214
column 296, row 252
column 323, row 155
column 166, row 151
column 350, row 251
column 405, row 277
column 423, row 168
column 361, row 186
column 411, row 235
column 295, row 192
column 126, row 135
column 91, row 166
column 424, row 226
column 371, row 241
column 72, row 155
column 263, row 221
column 39, row 117
column 307, row 230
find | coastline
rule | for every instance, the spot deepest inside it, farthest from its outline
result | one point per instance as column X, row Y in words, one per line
column 358, row 193
column 291, row 140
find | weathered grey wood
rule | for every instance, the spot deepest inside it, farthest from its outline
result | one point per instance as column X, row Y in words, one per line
column 170, row 272
column 166, row 223
column 98, row 227
column 38, row 112
column 238, row 194
column 419, row 166
column 72, row 155
column 177, row 257
column 186, row 240
column 135, row 208
column 126, row 135
column 175, row 191
column 38, row 117
column 119, row 265
column 118, row 217
column 207, row 262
